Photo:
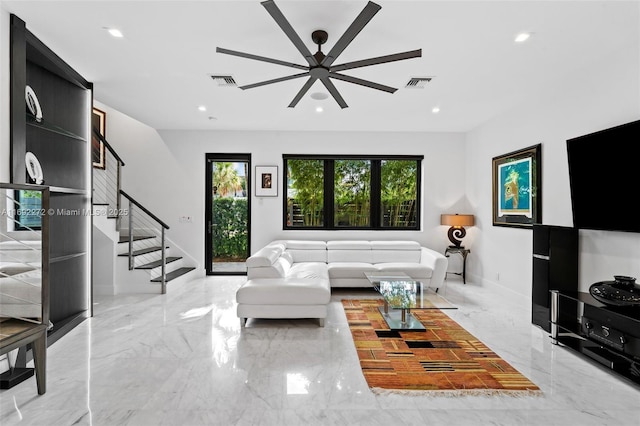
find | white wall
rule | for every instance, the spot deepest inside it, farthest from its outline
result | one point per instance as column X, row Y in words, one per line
column 165, row 171
column 599, row 96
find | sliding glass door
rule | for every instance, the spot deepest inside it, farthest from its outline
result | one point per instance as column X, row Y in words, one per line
column 227, row 213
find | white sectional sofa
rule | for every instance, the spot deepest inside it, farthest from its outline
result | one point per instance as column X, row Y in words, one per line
column 293, row 278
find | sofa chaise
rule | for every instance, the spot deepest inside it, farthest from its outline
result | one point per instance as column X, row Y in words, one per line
column 293, row 278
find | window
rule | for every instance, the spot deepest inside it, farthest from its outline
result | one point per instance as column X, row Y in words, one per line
column 352, row 192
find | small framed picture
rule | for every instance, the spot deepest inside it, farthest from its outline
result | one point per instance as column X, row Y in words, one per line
column 517, row 198
column 266, row 181
column 98, row 121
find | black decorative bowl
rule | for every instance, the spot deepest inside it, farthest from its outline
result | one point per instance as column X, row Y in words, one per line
column 622, row 292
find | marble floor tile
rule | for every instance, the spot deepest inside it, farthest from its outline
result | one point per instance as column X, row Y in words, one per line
column 183, row 359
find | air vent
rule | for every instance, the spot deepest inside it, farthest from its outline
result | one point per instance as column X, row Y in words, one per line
column 224, row 80
column 418, row 82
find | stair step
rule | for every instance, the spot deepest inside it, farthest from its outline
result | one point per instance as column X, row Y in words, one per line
column 174, row 274
column 125, row 238
column 157, row 263
column 143, row 251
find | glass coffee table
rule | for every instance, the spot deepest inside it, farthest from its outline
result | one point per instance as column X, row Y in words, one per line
column 401, row 294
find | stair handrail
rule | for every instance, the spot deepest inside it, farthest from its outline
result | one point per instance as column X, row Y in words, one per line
column 101, row 138
column 120, row 164
column 132, row 201
column 144, row 209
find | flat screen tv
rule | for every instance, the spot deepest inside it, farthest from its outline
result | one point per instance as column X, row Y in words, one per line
column 604, row 177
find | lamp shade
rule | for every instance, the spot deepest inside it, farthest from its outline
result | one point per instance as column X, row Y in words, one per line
column 457, row 220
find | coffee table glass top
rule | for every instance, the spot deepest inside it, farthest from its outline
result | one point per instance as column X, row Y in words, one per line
column 400, row 291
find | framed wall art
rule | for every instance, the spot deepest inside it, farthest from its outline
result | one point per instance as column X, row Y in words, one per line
column 98, row 121
column 517, row 197
column 266, row 181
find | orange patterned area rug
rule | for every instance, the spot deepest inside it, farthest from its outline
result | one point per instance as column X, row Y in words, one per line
column 445, row 358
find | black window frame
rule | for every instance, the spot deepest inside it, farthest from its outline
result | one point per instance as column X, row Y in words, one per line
column 375, row 201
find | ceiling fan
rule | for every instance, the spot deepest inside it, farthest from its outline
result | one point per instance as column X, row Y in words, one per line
column 320, row 65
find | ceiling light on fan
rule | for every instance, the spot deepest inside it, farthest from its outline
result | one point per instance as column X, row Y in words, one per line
column 319, row 96
column 320, row 66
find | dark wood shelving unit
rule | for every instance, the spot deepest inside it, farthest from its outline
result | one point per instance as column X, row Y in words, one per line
column 61, row 142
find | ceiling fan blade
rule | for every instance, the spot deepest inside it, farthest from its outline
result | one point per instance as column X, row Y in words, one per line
column 259, row 58
column 378, row 60
column 362, row 82
column 275, row 80
column 302, row 91
column 277, row 15
column 334, row 92
column 356, row 26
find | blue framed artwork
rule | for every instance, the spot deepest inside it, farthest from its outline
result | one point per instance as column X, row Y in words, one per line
column 517, row 199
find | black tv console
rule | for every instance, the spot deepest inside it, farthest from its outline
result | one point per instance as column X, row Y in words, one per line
column 607, row 334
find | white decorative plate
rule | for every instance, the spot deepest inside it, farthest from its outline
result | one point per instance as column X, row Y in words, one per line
column 33, row 168
column 32, row 103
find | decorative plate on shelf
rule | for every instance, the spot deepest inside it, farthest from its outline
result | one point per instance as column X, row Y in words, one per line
column 32, row 103
column 33, row 168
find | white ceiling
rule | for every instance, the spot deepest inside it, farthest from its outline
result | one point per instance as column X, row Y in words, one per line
column 159, row 73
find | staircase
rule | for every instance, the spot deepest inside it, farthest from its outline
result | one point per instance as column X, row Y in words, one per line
column 132, row 253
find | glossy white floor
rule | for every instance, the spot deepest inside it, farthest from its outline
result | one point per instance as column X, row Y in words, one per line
column 182, row 359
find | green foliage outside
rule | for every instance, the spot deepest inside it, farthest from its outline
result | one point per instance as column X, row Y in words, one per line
column 352, row 192
column 230, row 210
column 230, row 235
column 226, row 180
column 305, row 198
column 399, row 192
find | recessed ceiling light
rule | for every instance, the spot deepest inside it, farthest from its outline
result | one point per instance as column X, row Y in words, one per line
column 435, row 110
column 522, row 37
column 319, row 109
column 319, row 96
column 115, row 32
column 202, row 108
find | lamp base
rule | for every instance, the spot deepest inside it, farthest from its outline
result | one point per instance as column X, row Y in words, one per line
column 456, row 234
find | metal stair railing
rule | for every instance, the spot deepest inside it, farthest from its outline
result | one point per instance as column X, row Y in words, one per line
column 107, row 179
column 132, row 218
column 144, row 227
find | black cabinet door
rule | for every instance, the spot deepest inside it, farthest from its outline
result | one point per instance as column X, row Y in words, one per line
column 555, row 267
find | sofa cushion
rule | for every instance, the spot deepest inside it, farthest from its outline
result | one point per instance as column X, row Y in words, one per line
column 306, row 250
column 279, row 269
column 349, row 251
column 316, row 255
column 266, row 256
column 290, row 291
column 350, row 269
column 414, row 270
column 315, row 270
column 358, row 256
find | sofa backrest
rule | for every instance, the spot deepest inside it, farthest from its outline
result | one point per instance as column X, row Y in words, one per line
column 275, row 259
column 269, row 262
column 349, row 251
column 395, row 251
column 307, row 250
